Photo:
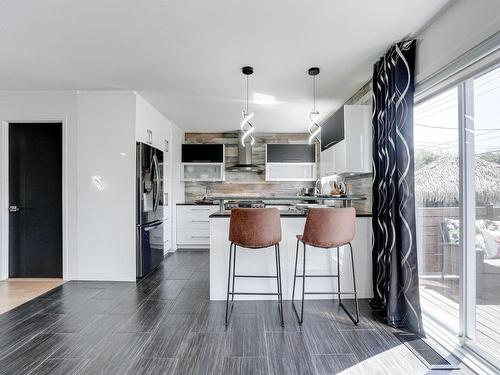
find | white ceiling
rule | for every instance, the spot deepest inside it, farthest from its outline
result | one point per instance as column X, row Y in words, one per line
column 185, row 56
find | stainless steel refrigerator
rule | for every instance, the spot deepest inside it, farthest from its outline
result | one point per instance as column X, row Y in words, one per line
column 149, row 208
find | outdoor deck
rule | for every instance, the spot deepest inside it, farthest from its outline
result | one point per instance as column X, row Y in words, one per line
column 440, row 301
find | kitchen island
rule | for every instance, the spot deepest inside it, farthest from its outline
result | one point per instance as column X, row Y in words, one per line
column 262, row 261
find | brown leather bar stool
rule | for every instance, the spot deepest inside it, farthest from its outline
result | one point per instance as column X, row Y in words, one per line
column 327, row 228
column 254, row 228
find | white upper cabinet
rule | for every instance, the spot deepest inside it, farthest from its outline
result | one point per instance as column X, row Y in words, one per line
column 203, row 162
column 346, row 139
column 152, row 127
column 290, row 162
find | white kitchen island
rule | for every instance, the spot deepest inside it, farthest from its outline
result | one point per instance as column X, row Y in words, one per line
column 262, row 262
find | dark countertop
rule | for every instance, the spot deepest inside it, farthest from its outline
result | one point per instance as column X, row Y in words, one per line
column 197, row 204
column 286, row 197
column 290, row 213
column 216, row 204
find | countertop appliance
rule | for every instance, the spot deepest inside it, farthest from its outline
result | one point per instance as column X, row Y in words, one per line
column 149, row 208
column 308, row 192
column 243, row 204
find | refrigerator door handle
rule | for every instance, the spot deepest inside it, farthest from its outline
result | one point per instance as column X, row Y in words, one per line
column 151, row 173
column 154, row 225
column 158, row 182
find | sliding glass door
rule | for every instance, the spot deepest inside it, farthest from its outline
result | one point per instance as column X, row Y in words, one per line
column 486, row 94
column 436, row 140
column 457, row 185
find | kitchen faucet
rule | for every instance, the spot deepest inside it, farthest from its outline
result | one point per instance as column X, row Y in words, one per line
column 316, row 190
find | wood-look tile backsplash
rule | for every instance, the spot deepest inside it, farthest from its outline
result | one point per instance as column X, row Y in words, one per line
column 250, row 183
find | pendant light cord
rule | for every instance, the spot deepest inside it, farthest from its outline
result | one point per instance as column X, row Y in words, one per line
column 314, row 93
column 247, row 95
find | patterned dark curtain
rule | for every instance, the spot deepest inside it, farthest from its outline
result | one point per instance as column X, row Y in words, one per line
column 394, row 252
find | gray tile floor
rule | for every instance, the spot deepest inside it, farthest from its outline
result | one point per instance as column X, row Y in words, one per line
column 165, row 324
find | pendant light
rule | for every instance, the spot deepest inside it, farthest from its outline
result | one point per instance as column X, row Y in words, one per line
column 246, row 127
column 313, row 128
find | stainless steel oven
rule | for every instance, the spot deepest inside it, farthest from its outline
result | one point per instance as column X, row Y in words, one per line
column 243, row 204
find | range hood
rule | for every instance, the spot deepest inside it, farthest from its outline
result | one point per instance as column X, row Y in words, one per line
column 244, row 159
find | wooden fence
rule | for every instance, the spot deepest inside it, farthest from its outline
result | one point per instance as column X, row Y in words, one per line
column 429, row 238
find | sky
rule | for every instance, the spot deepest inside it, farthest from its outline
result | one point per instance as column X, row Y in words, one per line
column 436, row 120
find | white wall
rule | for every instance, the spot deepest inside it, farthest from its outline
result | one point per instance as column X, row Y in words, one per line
column 106, row 186
column 462, row 26
column 177, row 184
column 39, row 107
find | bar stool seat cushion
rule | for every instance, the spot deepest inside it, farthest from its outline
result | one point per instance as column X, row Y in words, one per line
column 329, row 227
column 255, row 228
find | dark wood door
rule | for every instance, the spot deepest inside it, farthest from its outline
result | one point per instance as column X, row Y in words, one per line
column 35, row 200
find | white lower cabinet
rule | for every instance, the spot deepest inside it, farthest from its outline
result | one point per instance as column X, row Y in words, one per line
column 193, row 225
column 188, row 237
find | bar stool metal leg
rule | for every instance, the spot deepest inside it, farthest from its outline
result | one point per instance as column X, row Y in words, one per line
column 355, row 320
column 354, row 285
column 278, row 275
column 338, row 273
column 242, row 222
column 228, row 280
column 277, row 265
column 295, row 272
column 303, row 286
column 234, row 277
column 301, row 317
column 327, row 241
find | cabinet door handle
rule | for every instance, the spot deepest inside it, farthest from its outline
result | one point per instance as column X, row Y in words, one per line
column 200, row 221
column 331, row 143
column 150, row 136
column 199, row 209
column 200, row 236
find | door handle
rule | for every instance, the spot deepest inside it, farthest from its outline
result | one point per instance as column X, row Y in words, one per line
column 158, row 183
column 13, row 208
column 154, row 225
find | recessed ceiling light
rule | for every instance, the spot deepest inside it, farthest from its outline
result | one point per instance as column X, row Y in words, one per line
column 263, row 99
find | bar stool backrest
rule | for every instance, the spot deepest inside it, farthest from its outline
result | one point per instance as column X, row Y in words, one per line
column 329, row 227
column 255, row 227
